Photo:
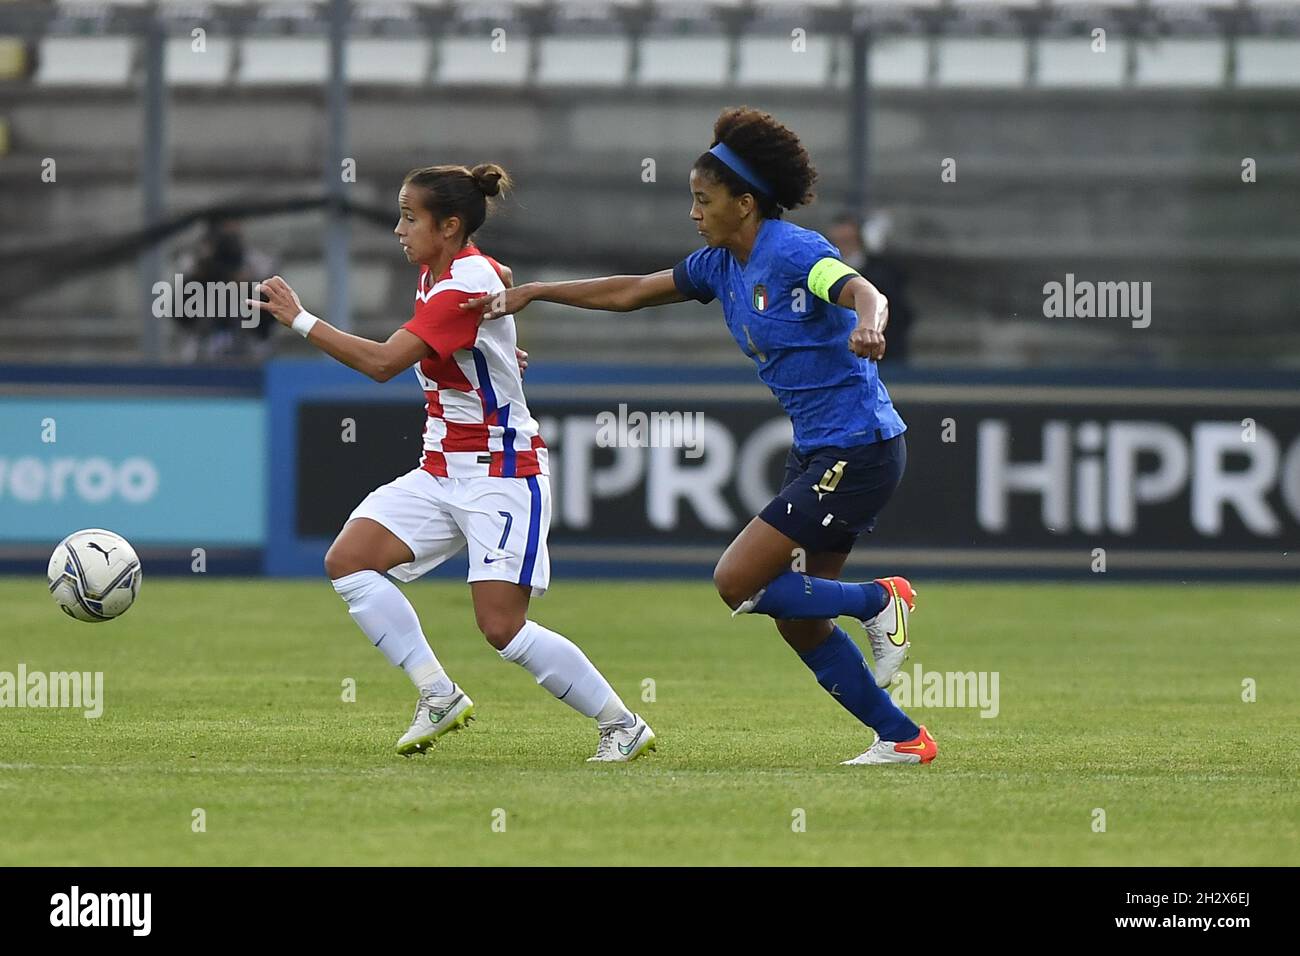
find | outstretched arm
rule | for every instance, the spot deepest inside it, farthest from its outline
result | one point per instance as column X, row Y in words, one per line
column 611, row 293
column 378, row 360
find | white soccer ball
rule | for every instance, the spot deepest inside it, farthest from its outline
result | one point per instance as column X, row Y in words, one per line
column 94, row 575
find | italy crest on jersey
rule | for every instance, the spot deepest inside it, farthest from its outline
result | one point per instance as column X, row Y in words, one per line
column 760, row 297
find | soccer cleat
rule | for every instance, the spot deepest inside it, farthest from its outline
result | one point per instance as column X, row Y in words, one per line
column 621, row 744
column 887, row 631
column 921, row 750
column 435, row 716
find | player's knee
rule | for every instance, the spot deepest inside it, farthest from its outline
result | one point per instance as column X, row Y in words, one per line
column 339, row 563
column 499, row 629
column 731, row 587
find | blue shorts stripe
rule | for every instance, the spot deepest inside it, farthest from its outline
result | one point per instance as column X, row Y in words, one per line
column 534, row 531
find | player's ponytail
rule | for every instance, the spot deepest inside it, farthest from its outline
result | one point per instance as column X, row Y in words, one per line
column 460, row 191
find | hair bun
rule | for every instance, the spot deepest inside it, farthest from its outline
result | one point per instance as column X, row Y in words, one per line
column 489, row 178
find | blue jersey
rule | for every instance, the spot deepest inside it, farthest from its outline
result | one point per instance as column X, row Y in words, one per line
column 785, row 320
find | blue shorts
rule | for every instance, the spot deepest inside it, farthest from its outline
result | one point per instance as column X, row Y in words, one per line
column 832, row 495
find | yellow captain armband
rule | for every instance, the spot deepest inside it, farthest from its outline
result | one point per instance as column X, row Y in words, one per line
column 824, row 274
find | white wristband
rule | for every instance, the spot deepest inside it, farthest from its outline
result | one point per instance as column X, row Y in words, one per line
column 303, row 322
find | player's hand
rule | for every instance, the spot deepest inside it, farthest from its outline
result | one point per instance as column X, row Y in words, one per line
column 868, row 343
column 868, row 339
column 522, row 358
column 505, row 302
column 284, row 303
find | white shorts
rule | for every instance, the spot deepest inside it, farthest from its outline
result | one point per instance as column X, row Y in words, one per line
column 504, row 521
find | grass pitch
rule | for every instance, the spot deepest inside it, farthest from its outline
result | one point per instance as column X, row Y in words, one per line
column 227, row 696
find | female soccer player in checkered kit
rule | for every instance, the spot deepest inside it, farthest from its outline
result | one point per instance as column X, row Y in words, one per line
column 813, row 327
column 482, row 480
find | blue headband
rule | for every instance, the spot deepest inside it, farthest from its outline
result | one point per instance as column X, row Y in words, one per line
column 732, row 161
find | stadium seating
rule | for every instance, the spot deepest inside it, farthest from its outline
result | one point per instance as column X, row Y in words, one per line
column 1139, row 174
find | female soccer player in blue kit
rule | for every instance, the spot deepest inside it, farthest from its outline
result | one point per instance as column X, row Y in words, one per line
column 813, row 327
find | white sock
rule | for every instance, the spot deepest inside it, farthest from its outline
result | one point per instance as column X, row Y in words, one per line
column 386, row 616
column 615, row 713
column 429, row 676
column 560, row 666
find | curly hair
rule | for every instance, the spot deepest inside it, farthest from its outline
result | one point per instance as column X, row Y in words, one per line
column 775, row 154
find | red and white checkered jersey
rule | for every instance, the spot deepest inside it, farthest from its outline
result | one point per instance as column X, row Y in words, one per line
column 479, row 424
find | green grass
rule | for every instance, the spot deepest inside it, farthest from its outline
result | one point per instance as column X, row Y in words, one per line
column 226, row 695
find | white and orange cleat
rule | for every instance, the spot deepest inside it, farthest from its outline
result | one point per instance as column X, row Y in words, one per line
column 923, row 749
column 887, row 631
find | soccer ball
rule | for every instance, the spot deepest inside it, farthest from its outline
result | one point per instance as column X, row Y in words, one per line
column 94, row 575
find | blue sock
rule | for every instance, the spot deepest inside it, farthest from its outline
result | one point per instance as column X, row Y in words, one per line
column 842, row 671
column 792, row 596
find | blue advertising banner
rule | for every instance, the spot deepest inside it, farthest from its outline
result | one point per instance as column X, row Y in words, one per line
column 160, row 470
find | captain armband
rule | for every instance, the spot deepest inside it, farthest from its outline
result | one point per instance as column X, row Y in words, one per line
column 827, row 277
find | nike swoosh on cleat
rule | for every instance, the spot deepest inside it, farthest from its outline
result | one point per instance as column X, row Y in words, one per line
column 629, row 748
column 900, row 626
column 435, row 717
